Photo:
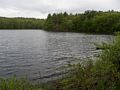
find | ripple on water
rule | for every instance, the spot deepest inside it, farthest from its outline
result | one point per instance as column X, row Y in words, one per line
column 41, row 55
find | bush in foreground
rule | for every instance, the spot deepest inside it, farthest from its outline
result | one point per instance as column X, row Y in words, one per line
column 100, row 74
column 17, row 84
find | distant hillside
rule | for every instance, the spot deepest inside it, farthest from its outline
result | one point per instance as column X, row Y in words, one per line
column 20, row 23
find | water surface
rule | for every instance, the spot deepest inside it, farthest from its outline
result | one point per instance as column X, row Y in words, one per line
column 37, row 54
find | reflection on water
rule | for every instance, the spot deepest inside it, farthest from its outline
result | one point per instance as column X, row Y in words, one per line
column 38, row 54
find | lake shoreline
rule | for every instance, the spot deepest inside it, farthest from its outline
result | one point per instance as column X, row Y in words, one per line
column 89, row 33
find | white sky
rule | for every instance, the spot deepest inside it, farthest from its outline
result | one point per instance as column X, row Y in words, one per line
column 41, row 8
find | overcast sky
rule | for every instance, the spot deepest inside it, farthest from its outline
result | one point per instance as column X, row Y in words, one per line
column 41, row 8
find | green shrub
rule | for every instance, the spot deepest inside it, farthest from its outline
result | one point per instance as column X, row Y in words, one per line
column 17, row 84
column 100, row 74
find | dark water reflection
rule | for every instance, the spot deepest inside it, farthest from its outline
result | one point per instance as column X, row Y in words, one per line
column 37, row 53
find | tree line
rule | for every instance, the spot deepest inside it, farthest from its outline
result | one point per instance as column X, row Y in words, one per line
column 21, row 23
column 89, row 22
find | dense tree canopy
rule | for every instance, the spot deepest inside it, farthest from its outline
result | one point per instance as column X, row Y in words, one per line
column 89, row 22
column 20, row 23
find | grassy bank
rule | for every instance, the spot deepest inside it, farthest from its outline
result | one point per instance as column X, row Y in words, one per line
column 17, row 84
column 100, row 74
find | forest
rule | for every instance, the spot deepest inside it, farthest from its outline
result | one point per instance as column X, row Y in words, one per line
column 21, row 23
column 88, row 22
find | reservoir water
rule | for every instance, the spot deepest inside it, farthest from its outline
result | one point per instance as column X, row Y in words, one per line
column 38, row 54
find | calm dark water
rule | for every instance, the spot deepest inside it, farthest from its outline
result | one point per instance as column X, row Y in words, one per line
column 37, row 54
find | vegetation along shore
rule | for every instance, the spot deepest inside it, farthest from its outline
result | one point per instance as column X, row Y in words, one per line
column 88, row 22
